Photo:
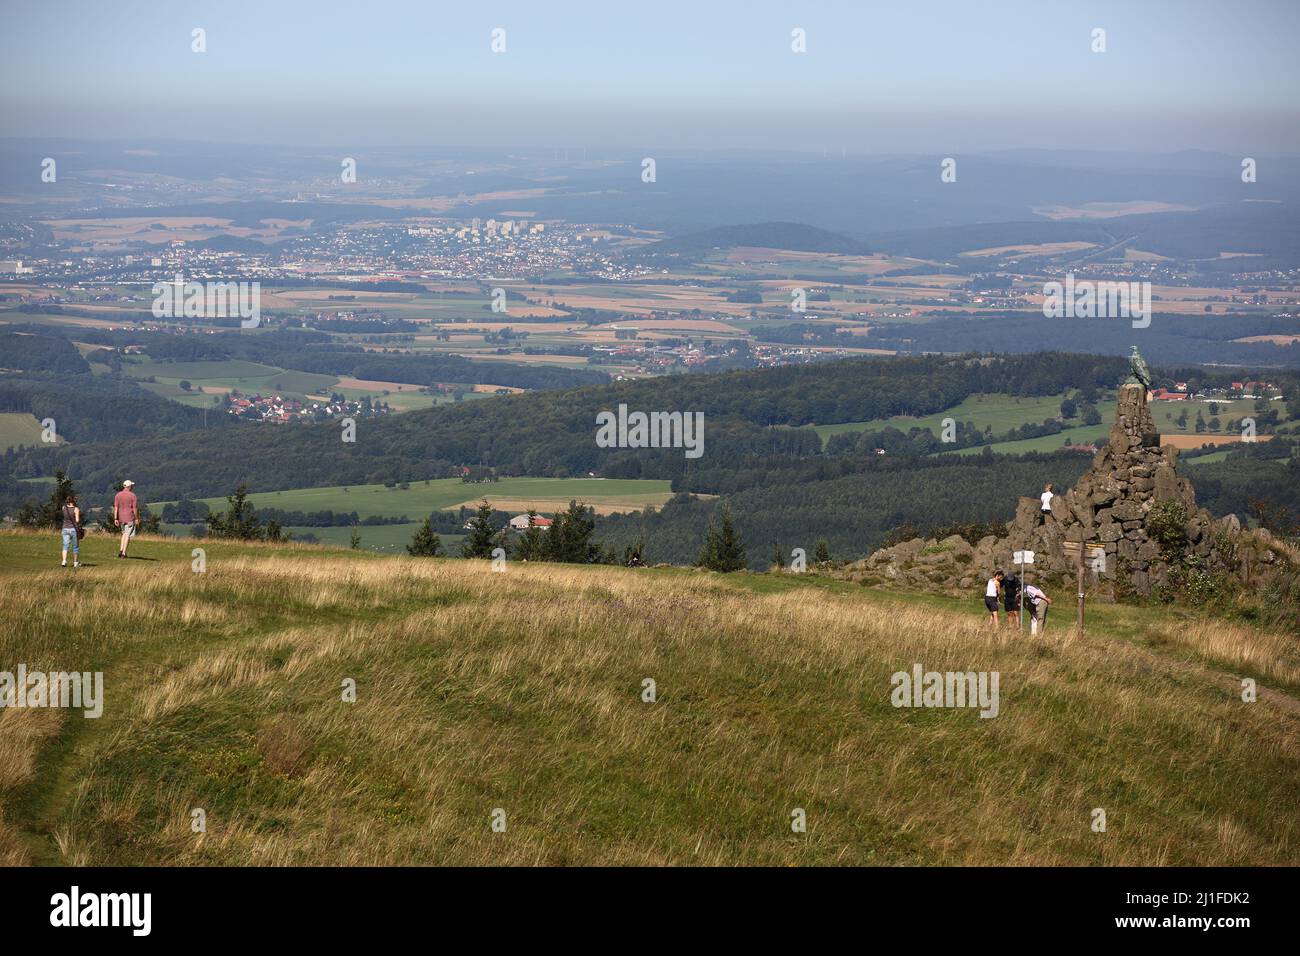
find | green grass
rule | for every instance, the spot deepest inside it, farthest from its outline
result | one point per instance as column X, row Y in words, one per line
column 381, row 538
column 1004, row 412
column 1000, row 412
column 403, row 401
column 522, row 691
column 424, row 497
column 1082, row 435
column 1165, row 414
column 1204, row 459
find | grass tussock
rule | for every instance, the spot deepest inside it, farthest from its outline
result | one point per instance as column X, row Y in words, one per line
column 521, row 693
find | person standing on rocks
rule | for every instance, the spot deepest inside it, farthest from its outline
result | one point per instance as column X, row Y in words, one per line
column 1045, row 509
column 991, row 591
column 1038, row 602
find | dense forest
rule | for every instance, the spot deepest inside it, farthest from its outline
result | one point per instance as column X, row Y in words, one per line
column 95, row 408
column 40, row 353
column 761, row 455
column 553, row 433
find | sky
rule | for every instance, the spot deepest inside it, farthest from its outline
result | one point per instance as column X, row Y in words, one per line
column 882, row 77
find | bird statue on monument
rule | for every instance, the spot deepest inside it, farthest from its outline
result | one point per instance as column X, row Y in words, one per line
column 1137, row 367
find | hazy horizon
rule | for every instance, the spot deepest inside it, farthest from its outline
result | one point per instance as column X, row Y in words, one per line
column 943, row 77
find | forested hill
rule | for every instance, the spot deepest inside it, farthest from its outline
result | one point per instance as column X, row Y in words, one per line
column 1171, row 340
column 553, row 433
column 764, row 235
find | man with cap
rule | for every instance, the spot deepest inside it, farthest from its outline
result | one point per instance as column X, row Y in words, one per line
column 126, row 514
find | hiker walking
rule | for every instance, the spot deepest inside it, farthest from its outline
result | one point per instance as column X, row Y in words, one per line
column 71, row 530
column 1011, row 599
column 126, row 515
column 991, row 591
column 1038, row 602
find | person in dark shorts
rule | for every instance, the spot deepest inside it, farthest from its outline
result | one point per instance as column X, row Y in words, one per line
column 71, row 524
column 1011, row 599
column 991, row 589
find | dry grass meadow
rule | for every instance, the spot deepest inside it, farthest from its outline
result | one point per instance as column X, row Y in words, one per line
column 522, row 691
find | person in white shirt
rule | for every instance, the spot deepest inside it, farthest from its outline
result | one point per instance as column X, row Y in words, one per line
column 1046, row 497
column 1038, row 603
column 991, row 591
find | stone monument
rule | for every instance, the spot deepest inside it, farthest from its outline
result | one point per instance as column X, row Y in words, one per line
column 1108, row 508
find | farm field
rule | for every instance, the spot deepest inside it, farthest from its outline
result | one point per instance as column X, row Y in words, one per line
column 245, row 376
column 403, row 401
column 437, row 494
column 1204, row 459
column 1001, row 412
column 19, row 430
column 1165, row 414
column 1004, row 412
column 381, row 538
column 212, row 379
column 1082, row 435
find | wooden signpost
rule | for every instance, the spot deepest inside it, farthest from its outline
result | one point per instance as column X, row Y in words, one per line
column 1090, row 556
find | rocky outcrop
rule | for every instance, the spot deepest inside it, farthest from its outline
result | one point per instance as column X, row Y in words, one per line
column 1110, row 508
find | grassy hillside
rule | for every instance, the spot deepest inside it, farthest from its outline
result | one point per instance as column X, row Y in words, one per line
column 1000, row 412
column 522, row 691
column 18, row 429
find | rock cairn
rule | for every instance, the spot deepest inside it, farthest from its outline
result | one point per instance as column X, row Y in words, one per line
column 1109, row 508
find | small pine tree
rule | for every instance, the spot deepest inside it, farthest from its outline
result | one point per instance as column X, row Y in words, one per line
column 569, row 539
column 778, row 558
column 482, row 537
column 31, row 514
column 822, row 554
column 51, row 514
column 425, row 543
column 354, row 541
column 723, row 548
column 239, row 521
column 531, row 545
column 151, row 523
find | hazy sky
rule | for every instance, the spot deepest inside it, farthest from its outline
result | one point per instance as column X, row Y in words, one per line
column 892, row 76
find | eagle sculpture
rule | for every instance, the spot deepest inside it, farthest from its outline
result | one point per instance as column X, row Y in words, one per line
column 1138, row 368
